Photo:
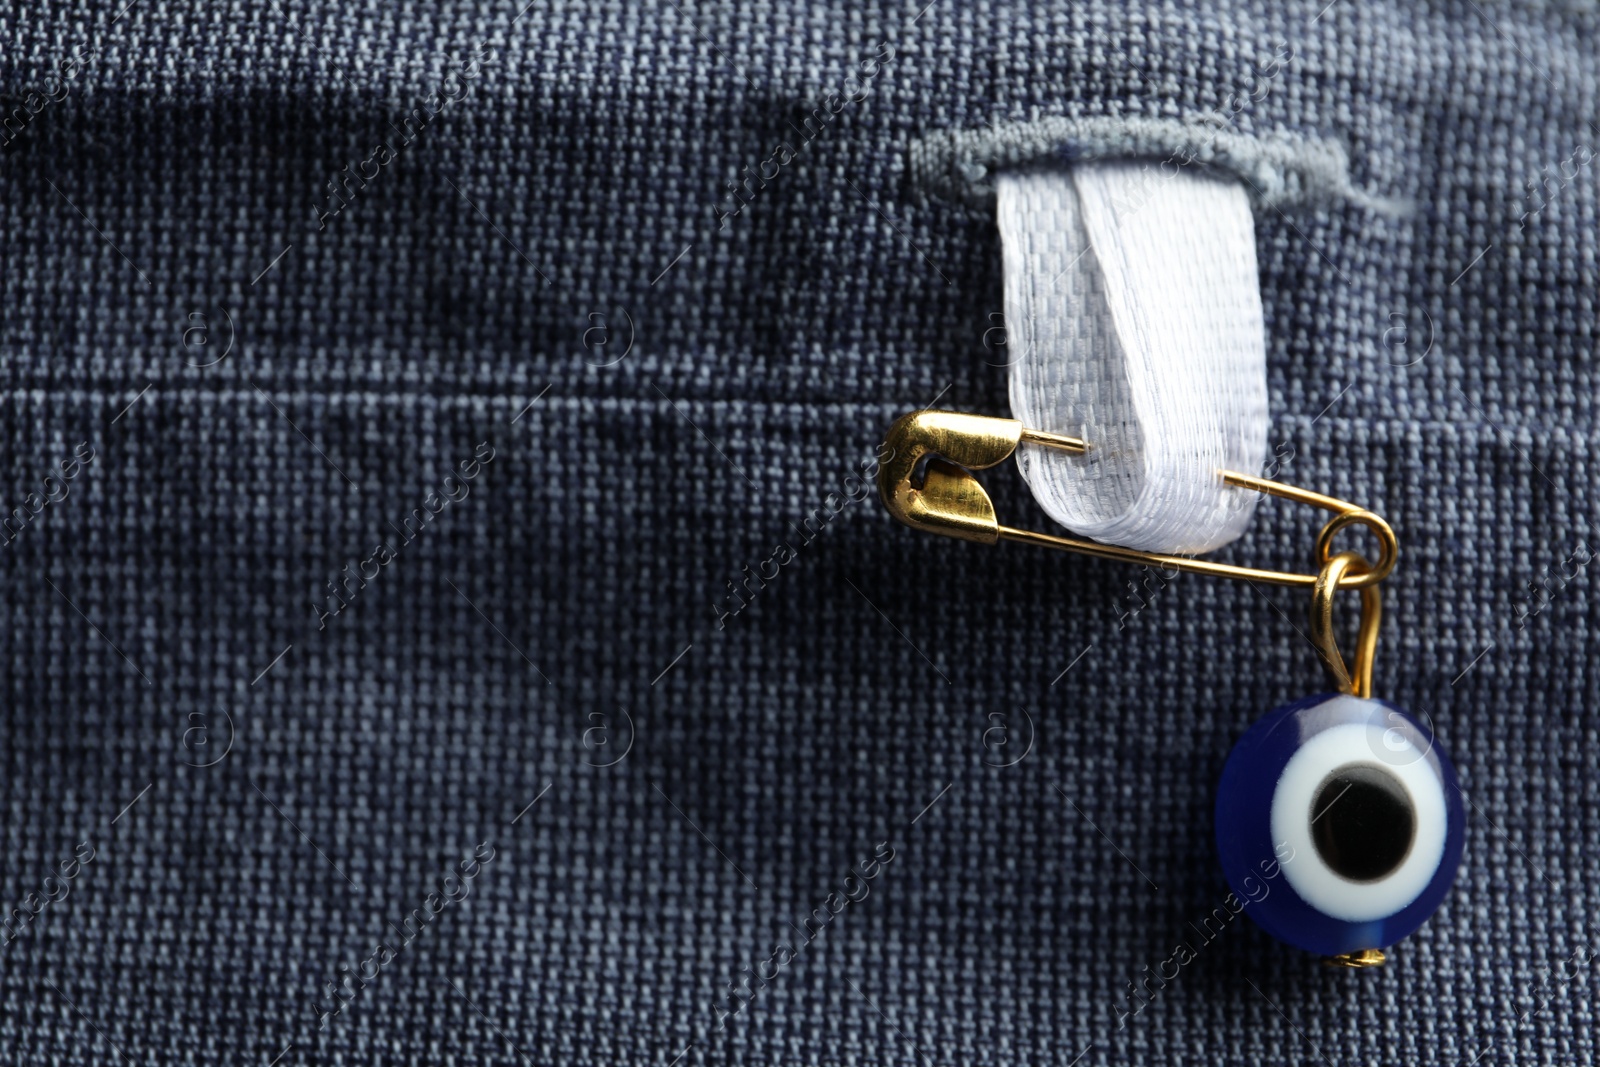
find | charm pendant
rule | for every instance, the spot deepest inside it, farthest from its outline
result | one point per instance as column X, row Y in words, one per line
column 1349, row 798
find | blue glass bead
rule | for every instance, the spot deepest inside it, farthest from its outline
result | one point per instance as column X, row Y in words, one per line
column 1339, row 823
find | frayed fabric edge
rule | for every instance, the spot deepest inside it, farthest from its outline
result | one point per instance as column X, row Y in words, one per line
column 1277, row 169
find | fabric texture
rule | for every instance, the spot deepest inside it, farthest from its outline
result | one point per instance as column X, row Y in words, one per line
column 433, row 399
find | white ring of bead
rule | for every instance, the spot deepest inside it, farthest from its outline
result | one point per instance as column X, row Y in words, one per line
column 1318, row 884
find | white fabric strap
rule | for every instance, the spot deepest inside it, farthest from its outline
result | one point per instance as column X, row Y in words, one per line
column 1133, row 316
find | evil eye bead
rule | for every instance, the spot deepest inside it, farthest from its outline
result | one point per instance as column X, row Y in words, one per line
column 1339, row 824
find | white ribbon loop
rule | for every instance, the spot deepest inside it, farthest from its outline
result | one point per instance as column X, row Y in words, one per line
column 1133, row 315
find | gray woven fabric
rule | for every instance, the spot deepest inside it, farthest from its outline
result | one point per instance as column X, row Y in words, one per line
column 371, row 343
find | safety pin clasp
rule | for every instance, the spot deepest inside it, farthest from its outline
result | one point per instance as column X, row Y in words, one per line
column 945, row 447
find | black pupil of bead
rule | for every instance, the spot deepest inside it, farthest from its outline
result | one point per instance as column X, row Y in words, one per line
column 1362, row 822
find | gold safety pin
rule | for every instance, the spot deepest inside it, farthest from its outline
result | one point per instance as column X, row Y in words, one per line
column 952, row 502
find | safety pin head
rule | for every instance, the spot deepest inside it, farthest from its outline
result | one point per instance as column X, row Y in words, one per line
column 946, row 446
